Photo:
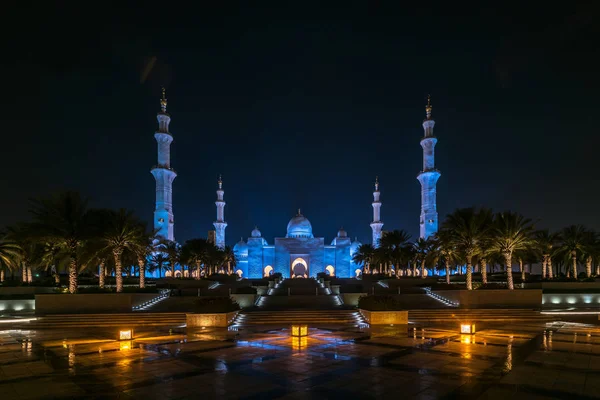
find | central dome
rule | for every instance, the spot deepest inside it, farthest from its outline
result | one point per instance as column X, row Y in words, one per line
column 299, row 227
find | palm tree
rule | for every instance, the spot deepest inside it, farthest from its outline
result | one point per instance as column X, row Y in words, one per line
column 364, row 256
column 396, row 243
column 172, row 251
column 229, row 258
column 421, row 248
column 157, row 261
column 10, row 253
column 545, row 243
column 443, row 241
column 591, row 250
column 468, row 233
column 143, row 251
column 121, row 231
column 61, row 220
column 195, row 252
column 512, row 232
column 573, row 245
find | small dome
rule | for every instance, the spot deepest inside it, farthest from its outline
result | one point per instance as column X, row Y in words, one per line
column 299, row 226
column 255, row 233
column 342, row 233
column 354, row 247
column 241, row 249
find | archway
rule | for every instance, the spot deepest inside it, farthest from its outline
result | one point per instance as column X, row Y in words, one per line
column 239, row 272
column 268, row 271
column 177, row 274
column 330, row 270
column 358, row 272
column 299, row 268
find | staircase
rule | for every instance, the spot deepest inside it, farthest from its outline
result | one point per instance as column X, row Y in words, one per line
column 313, row 318
column 481, row 315
column 78, row 321
column 299, row 294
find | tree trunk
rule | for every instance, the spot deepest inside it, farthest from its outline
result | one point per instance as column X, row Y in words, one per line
column 469, row 273
column 588, row 266
column 57, row 278
column 29, row 275
column 24, row 272
column 101, row 275
column 597, row 269
column 574, row 260
column 423, row 269
column 118, row 270
column 483, row 263
column 549, row 266
column 197, row 270
column 544, row 264
column 1, row 275
column 73, row 274
column 447, row 272
column 509, row 277
column 521, row 270
column 142, row 267
column 414, row 271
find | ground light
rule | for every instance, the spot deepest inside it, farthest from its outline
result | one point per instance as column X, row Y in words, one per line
column 299, row 330
column 467, row 328
column 126, row 334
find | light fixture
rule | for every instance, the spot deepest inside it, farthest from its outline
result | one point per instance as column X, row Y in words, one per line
column 467, row 328
column 299, row 330
column 126, row 334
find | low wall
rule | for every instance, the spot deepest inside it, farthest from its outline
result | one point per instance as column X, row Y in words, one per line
column 244, row 300
column 558, row 300
column 570, row 285
column 261, row 290
column 493, row 298
column 385, row 317
column 351, row 299
column 221, row 320
column 89, row 303
column 9, row 291
column 17, row 306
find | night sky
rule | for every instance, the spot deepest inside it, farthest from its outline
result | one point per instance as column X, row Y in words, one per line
column 302, row 107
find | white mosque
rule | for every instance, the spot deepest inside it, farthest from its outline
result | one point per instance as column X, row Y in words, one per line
column 299, row 253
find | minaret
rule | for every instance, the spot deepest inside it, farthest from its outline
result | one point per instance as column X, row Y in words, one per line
column 164, row 176
column 428, row 177
column 220, row 223
column 376, row 225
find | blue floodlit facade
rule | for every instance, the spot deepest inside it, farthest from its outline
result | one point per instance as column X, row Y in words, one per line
column 298, row 254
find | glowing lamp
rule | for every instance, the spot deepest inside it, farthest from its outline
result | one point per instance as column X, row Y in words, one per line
column 126, row 334
column 468, row 329
column 299, row 330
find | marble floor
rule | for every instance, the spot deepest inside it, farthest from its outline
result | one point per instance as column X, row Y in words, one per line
column 528, row 361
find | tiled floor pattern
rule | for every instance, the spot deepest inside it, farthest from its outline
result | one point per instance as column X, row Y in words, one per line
column 532, row 361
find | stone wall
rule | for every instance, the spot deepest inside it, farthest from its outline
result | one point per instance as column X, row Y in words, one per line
column 221, row 320
column 89, row 303
column 494, row 298
column 17, row 306
column 566, row 300
column 9, row 291
column 385, row 317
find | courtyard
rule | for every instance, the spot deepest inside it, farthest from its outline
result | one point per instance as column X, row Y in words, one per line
column 524, row 360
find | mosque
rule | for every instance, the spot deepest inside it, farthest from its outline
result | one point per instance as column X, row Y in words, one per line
column 299, row 254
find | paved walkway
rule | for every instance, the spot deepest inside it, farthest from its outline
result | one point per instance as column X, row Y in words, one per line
column 528, row 361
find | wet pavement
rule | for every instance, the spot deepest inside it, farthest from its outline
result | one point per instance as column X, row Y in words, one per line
column 533, row 361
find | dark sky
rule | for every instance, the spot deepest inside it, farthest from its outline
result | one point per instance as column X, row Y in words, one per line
column 301, row 106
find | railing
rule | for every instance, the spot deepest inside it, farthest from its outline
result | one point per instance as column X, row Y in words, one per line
column 163, row 294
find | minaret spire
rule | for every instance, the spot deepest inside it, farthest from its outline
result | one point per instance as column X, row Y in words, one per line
column 428, row 177
column 220, row 223
column 377, row 224
column 164, row 175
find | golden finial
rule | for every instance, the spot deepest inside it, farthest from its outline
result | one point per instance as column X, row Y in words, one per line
column 220, row 182
column 377, row 183
column 299, row 213
column 163, row 101
column 428, row 107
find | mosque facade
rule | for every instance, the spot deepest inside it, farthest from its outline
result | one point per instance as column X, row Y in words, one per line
column 299, row 254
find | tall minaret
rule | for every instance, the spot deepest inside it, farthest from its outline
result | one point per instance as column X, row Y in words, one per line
column 428, row 177
column 376, row 225
column 164, row 176
column 220, row 223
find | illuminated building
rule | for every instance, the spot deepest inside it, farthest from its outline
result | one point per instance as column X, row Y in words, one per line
column 428, row 178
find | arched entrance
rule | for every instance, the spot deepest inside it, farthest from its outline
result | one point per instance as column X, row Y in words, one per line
column 299, row 268
column 330, row 270
column 268, row 271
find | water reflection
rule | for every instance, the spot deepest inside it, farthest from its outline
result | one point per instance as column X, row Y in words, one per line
column 509, row 355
